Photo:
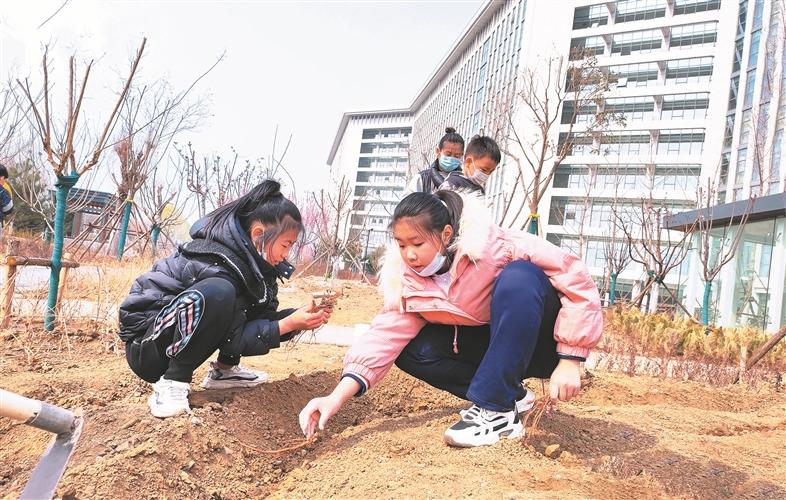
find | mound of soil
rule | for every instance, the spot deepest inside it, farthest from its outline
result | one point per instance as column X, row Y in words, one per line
column 622, row 437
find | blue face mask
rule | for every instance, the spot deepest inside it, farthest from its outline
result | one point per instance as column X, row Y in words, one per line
column 448, row 163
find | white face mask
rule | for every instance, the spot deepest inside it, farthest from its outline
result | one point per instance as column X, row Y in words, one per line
column 433, row 267
column 260, row 245
column 479, row 177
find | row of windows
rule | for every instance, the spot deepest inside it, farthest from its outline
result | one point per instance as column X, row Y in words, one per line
column 637, row 10
column 693, row 6
column 386, row 133
column 673, row 107
column 383, row 163
column 598, row 213
column 595, row 252
column 692, row 70
column 384, row 148
column 381, row 178
column 374, row 193
column 642, row 42
column 669, row 142
column 683, row 178
column 375, row 206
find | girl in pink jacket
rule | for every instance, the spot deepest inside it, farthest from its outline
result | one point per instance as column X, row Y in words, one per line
column 472, row 309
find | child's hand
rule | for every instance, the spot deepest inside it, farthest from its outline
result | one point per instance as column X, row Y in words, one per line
column 306, row 318
column 316, row 414
column 566, row 380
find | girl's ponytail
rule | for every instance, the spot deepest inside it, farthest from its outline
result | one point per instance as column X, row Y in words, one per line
column 432, row 211
column 264, row 203
column 455, row 206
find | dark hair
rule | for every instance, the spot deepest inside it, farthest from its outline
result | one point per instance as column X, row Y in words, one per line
column 431, row 212
column 482, row 146
column 451, row 136
column 264, row 203
column 3, row 171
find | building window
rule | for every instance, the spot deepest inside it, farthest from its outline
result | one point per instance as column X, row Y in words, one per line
column 565, row 211
column 590, row 16
column 742, row 17
column 636, row 42
column 750, row 81
column 567, row 176
column 728, row 133
column 737, row 55
column 693, row 6
column 753, row 56
column 758, row 12
column 624, row 177
column 694, row 70
column 694, row 35
column 579, row 144
column 639, row 10
column 585, row 114
column 724, row 171
column 775, row 165
column 595, row 255
column 626, row 143
column 635, row 75
column 633, row 108
column 587, row 47
column 733, row 90
column 753, row 262
column 739, row 171
column 685, row 106
column 681, row 142
column 679, row 178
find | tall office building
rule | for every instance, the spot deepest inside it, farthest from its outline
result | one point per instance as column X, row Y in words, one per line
column 698, row 82
column 369, row 153
column 670, row 76
column 749, row 290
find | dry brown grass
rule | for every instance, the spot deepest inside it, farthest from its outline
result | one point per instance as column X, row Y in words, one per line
column 661, row 345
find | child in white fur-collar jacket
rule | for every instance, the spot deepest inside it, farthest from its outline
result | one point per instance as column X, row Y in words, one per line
column 472, row 309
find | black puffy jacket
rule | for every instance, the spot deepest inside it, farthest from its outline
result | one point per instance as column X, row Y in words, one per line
column 231, row 256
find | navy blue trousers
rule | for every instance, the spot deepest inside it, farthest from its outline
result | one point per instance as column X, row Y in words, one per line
column 494, row 359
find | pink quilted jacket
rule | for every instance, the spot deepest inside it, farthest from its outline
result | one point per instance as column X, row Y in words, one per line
column 482, row 250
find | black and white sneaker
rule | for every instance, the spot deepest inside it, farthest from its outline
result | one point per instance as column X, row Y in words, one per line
column 523, row 405
column 481, row 427
column 229, row 378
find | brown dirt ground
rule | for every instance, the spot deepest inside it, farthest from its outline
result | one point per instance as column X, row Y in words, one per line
column 623, row 437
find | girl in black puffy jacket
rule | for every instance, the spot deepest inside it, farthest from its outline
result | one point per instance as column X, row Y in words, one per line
column 216, row 293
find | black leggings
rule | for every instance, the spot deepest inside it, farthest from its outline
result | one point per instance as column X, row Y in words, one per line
column 186, row 333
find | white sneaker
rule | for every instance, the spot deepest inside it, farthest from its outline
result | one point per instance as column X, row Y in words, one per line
column 169, row 398
column 480, row 427
column 234, row 377
column 524, row 404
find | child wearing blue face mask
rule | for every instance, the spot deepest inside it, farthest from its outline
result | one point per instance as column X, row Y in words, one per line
column 480, row 161
column 450, row 154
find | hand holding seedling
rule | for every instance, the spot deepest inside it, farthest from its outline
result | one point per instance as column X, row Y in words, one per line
column 318, row 411
column 565, row 380
column 307, row 317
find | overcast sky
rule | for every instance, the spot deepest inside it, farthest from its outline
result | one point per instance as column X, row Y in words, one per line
column 298, row 65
